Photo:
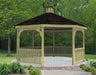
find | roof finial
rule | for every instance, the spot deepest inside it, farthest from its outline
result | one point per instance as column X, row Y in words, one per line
column 49, row 9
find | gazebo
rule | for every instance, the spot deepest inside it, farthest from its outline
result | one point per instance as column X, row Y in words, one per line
column 45, row 23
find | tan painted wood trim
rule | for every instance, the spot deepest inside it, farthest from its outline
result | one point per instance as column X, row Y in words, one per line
column 42, row 63
column 58, row 30
column 79, row 49
column 65, row 26
column 84, row 42
column 50, row 25
column 73, row 45
column 30, row 49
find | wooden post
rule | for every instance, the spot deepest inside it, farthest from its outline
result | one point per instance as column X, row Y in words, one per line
column 84, row 43
column 73, row 46
column 33, row 39
column 18, row 44
column 53, row 42
column 42, row 46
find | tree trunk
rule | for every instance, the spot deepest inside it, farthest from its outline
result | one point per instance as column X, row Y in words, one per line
column 9, row 51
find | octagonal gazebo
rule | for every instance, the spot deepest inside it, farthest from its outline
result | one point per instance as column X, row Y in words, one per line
column 48, row 22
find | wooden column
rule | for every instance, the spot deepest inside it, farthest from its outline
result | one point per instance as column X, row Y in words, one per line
column 84, row 43
column 33, row 39
column 18, row 44
column 42, row 46
column 53, row 42
column 73, row 46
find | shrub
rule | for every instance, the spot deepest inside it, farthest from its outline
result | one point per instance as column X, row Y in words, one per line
column 30, row 67
column 86, row 59
column 25, row 66
column 34, row 71
column 85, row 68
column 93, row 64
column 4, row 69
column 82, row 65
column 17, row 68
column 88, row 69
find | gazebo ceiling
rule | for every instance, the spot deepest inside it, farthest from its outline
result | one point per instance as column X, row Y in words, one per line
column 49, row 18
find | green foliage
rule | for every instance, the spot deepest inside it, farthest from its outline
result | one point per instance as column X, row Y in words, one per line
column 4, row 69
column 93, row 64
column 17, row 68
column 93, row 71
column 13, row 12
column 82, row 65
column 29, row 67
column 25, row 40
column 34, row 71
column 79, row 39
column 88, row 69
column 86, row 59
column 25, row 67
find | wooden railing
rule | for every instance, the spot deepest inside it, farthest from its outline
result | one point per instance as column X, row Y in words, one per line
column 58, row 50
column 79, row 54
column 29, row 55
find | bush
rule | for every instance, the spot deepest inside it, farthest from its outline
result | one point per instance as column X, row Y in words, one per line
column 88, row 69
column 86, row 59
column 82, row 65
column 29, row 67
column 4, row 69
column 17, row 68
column 85, row 68
column 25, row 66
column 93, row 64
column 34, row 71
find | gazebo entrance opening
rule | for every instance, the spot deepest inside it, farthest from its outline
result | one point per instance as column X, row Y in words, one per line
column 58, row 42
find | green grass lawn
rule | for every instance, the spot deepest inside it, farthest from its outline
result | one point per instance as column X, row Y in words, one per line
column 90, row 57
column 5, row 59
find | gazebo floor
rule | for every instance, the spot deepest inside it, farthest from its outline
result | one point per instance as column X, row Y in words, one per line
column 55, row 62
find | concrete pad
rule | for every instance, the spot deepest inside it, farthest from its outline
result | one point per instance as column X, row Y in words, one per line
column 53, row 62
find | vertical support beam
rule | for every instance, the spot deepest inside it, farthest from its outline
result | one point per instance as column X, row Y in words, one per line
column 33, row 39
column 18, row 44
column 73, row 46
column 84, row 43
column 53, row 42
column 42, row 46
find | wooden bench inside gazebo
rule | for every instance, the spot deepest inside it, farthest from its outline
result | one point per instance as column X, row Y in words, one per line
column 48, row 23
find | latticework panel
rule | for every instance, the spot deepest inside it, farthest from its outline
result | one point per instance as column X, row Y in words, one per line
column 29, row 56
column 58, row 50
column 79, row 55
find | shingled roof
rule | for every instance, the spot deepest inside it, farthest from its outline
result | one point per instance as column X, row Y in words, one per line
column 49, row 18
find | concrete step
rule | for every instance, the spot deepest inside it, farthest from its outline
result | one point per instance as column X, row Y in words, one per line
column 63, row 72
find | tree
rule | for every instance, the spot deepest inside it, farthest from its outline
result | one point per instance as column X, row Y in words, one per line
column 13, row 12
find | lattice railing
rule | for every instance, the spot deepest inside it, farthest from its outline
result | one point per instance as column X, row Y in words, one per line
column 79, row 54
column 29, row 56
column 58, row 50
